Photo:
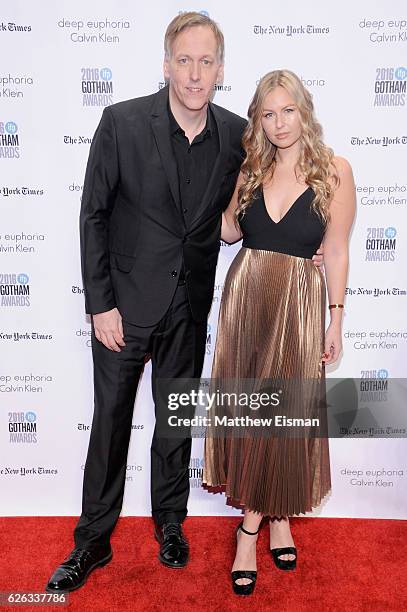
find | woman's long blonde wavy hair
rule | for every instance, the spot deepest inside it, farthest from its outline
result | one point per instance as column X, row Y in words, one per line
column 315, row 163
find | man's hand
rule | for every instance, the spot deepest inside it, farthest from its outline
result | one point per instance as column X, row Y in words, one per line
column 109, row 329
column 318, row 258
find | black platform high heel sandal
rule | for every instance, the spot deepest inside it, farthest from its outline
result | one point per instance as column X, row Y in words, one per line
column 244, row 589
column 284, row 564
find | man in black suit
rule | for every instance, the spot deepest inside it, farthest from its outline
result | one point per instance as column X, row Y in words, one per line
column 161, row 168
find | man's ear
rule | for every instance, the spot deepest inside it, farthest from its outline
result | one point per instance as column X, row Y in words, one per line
column 166, row 68
column 221, row 74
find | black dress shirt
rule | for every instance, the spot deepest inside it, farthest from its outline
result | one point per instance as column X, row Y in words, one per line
column 195, row 162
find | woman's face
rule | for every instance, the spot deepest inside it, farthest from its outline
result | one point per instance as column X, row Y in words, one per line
column 281, row 118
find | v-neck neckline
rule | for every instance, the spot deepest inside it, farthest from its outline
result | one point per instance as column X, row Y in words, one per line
column 287, row 212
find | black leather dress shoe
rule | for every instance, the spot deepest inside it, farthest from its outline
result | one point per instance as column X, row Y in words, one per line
column 174, row 548
column 73, row 572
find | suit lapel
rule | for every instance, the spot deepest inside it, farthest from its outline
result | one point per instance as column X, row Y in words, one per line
column 218, row 169
column 161, row 128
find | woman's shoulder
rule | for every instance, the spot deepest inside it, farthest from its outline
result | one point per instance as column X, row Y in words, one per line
column 341, row 166
column 344, row 185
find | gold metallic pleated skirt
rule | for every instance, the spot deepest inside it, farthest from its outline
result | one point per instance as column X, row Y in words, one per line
column 271, row 326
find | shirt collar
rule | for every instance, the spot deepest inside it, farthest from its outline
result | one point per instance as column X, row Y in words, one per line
column 175, row 127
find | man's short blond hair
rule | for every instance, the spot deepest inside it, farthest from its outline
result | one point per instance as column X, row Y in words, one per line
column 191, row 19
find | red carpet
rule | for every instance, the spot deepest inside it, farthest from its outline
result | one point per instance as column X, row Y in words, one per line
column 344, row 565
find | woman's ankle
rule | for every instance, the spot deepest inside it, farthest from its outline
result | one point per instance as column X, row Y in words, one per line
column 278, row 519
column 252, row 521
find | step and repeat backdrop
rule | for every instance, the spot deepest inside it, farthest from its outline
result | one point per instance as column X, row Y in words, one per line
column 61, row 63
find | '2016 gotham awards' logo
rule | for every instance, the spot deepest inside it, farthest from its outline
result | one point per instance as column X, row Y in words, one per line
column 390, row 86
column 97, row 87
column 9, row 140
column 373, row 385
column 22, row 427
column 381, row 244
column 381, row 374
column 195, row 470
column 14, row 290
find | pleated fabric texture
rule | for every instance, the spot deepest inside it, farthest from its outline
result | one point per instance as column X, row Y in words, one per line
column 271, row 326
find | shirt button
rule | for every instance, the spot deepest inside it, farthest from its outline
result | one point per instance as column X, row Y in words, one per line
column 188, row 181
column 174, row 273
column 189, row 149
column 185, row 210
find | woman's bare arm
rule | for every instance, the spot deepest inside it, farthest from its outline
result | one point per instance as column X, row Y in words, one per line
column 231, row 231
column 336, row 252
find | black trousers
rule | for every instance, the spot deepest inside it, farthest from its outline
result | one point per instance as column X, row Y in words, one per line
column 177, row 348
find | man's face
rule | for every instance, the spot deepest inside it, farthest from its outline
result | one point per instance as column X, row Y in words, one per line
column 193, row 67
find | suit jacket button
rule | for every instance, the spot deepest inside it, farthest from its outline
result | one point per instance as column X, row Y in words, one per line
column 174, row 273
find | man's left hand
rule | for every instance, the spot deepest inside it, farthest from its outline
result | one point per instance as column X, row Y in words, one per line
column 318, row 258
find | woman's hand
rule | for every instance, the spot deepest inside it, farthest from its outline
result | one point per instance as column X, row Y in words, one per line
column 318, row 258
column 333, row 343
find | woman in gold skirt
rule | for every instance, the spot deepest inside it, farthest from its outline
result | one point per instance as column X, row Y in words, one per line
column 291, row 194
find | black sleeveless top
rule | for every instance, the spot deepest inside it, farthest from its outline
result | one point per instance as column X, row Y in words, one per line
column 298, row 233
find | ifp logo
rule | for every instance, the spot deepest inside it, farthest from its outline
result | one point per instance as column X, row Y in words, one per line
column 390, row 232
column 106, row 74
column 11, row 127
column 22, row 279
column 400, row 73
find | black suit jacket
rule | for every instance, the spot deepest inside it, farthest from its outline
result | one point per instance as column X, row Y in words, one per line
column 133, row 238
